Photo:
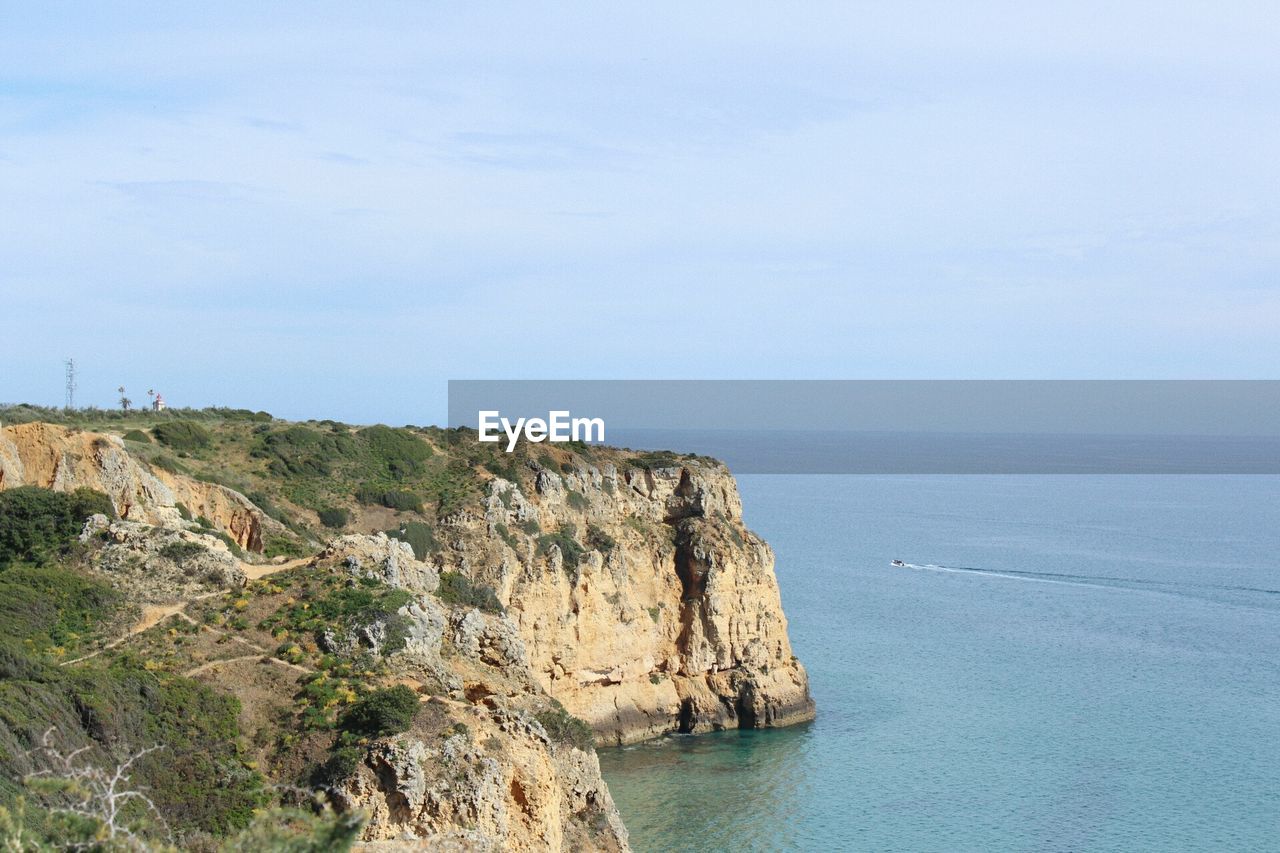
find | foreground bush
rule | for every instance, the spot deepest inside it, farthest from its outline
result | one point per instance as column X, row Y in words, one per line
column 386, row 711
column 198, row 781
column 39, row 524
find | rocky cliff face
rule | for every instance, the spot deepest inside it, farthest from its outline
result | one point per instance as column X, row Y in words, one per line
column 478, row 771
column 646, row 605
column 62, row 458
column 634, row 597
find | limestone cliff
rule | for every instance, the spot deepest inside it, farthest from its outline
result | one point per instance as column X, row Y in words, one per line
column 63, row 458
column 479, row 770
column 653, row 610
column 634, row 597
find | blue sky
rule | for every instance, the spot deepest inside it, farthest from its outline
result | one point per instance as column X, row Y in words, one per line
column 329, row 210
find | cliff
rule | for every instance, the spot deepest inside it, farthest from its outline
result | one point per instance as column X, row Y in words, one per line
column 615, row 587
column 63, row 458
column 668, row 619
column 478, row 768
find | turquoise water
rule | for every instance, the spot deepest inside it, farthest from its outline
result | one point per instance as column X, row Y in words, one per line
column 1099, row 669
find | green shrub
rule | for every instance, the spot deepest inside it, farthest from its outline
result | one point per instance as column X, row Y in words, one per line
column 181, row 550
column 656, row 459
column 296, row 831
column 183, row 511
column 198, row 780
column 182, row 435
column 386, row 711
column 457, row 588
column 576, row 500
column 338, row 767
column 505, row 534
column 363, row 603
column 263, row 502
column 167, row 463
column 566, row 540
column 300, row 451
column 531, row 527
column 504, row 467
column 137, row 435
column 334, row 517
column 52, row 605
column 398, row 453
column 452, row 487
column 565, row 728
column 420, row 537
column 397, row 499
column 598, row 539
column 38, row 524
column 284, row 546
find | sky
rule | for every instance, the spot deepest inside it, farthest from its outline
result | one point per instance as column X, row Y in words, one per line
column 329, row 210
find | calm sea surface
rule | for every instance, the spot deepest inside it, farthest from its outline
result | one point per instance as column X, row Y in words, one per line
column 1074, row 663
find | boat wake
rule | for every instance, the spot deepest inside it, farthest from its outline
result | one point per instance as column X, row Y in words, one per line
column 1093, row 581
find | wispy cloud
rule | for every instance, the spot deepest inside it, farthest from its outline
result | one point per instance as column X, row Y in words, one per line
column 529, row 151
column 1008, row 192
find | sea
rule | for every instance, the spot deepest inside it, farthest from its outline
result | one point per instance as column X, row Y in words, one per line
column 1066, row 663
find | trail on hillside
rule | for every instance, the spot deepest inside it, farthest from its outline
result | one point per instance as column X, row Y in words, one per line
column 257, row 571
column 154, row 614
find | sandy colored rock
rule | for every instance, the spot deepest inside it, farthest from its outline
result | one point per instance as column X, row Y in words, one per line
column 63, row 459
column 677, row 626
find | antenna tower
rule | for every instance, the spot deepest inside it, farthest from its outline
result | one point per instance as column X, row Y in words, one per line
column 71, row 383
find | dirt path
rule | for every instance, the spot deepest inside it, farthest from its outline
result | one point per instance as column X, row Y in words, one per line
column 154, row 614
column 254, row 571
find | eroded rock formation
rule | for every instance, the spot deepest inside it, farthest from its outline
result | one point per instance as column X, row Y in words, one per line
column 670, row 620
column 63, row 458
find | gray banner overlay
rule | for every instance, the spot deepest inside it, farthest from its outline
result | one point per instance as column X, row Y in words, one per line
column 917, row 427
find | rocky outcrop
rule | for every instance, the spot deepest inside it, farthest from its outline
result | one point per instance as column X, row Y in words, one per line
column 157, row 565
column 478, row 771
column 379, row 556
column 668, row 620
column 63, row 459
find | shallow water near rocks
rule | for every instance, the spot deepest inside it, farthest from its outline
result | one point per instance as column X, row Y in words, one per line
column 1068, row 663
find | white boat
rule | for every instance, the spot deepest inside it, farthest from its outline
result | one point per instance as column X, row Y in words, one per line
column 898, row 563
